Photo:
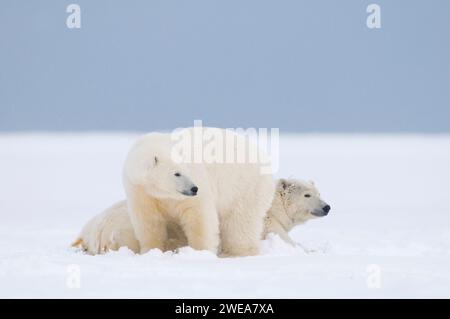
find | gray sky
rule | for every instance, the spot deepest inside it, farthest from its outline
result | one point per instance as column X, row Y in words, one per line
column 298, row 65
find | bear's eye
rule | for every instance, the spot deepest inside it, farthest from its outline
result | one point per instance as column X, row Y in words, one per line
column 177, row 174
column 307, row 195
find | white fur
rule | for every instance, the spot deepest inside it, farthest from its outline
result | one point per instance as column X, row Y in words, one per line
column 289, row 208
column 109, row 230
column 232, row 198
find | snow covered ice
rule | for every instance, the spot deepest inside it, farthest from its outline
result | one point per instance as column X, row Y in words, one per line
column 387, row 235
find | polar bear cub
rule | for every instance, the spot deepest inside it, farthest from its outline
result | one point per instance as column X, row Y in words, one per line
column 218, row 202
column 107, row 231
column 295, row 202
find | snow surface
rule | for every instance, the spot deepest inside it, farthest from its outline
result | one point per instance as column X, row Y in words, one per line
column 390, row 216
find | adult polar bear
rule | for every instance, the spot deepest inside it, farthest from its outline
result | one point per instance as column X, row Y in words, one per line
column 215, row 201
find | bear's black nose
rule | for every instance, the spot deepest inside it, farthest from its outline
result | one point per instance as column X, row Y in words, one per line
column 194, row 190
column 326, row 209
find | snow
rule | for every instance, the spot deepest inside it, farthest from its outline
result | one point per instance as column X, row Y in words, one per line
column 387, row 234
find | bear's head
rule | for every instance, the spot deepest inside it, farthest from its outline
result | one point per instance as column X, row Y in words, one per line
column 159, row 176
column 164, row 179
column 301, row 200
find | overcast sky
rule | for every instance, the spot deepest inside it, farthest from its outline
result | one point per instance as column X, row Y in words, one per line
column 309, row 66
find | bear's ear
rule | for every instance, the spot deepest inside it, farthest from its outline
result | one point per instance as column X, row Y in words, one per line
column 284, row 187
column 152, row 163
column 282, row 184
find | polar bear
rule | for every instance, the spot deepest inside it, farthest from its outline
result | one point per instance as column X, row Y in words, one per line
column 295, row 202
column 213, row 202
column 107, row 231
column 112, row 229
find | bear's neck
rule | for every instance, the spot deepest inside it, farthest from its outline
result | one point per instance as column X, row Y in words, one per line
column 277, row 213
